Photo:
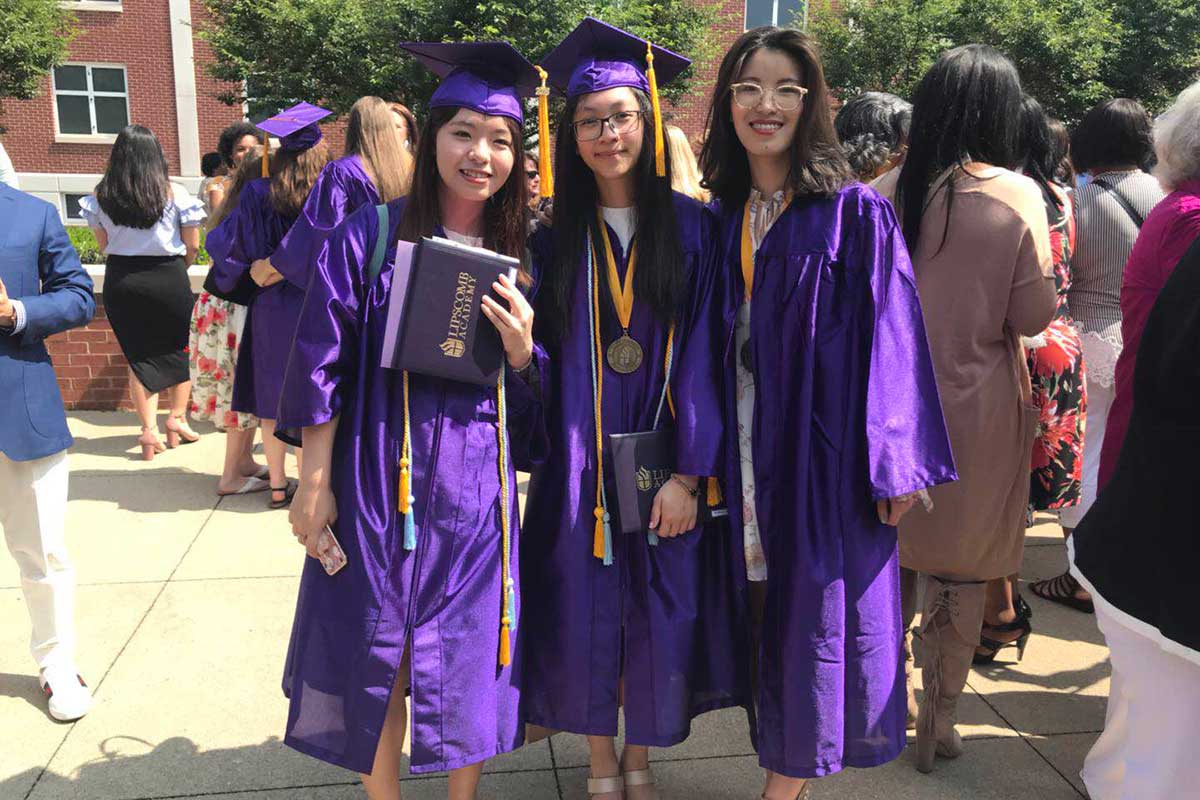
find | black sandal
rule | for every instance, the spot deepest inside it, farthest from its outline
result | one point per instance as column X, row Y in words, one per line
column 1062, row 590
column 992, row 647
column 289, row 491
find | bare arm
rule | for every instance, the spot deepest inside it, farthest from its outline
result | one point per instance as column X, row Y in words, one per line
column 314, row 506
column 191, row 240
column 101, row 239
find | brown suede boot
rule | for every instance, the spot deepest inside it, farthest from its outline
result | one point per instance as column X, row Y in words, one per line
column 950, row 627
column 908, row 611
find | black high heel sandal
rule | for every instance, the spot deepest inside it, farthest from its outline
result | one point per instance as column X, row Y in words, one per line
column 993, row 647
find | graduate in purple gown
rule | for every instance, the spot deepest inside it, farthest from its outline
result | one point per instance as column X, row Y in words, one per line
column 839, row 425
column 266, row 208
column 627, row 272
column 377, row 168
column 416, row 474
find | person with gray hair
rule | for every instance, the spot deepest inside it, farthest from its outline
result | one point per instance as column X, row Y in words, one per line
column 1169, row 229
column 873, row 129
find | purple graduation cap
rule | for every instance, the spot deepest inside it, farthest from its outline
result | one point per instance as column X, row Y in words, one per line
column 296, row 127
column 597, row 56
column 488, row 77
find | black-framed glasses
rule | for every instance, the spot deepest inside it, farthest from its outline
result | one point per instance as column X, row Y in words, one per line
column 787, row 97
column 531, row 174
column 589, row 130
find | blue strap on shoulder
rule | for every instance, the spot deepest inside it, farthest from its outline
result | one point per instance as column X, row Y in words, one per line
column 381, row 243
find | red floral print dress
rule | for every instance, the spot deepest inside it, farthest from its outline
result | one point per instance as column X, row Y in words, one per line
column 1056, row 369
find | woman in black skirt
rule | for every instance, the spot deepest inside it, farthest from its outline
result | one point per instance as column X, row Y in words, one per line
column 150, row 233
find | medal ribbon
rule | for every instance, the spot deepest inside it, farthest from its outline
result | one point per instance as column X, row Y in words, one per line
column 747, row 253
column 622, row 296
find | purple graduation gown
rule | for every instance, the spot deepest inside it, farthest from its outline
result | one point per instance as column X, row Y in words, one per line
column 444, row 596
column 659, row 616
column 342, row 188
column 846, row 412
column 250, row 232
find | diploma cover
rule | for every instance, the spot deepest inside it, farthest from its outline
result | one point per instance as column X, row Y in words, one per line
column 435, row 322
column 640, row 464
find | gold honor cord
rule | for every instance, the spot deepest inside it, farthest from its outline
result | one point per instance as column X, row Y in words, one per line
column 625, row 354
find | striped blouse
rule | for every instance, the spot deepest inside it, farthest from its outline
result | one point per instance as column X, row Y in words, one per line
column 1105, row 234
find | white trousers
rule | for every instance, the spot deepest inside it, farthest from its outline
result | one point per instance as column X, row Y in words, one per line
column 1099, row 403
column 1148, row 750
column 33, row 507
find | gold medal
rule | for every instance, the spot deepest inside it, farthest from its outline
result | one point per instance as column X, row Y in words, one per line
column 625, row 355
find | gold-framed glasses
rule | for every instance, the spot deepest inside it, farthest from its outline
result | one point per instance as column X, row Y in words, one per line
column 787, row 96
column 589, row 130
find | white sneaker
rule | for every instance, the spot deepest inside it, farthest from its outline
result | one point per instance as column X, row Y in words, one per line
column 69, row 697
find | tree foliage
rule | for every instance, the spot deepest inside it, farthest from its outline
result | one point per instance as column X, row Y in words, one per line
column 335, row 51
column 34, row 36
column 1071, row 53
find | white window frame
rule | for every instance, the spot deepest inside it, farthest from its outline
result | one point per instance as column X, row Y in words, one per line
column 70, row 221
column 92, row 5
column 91, row 95
column 774, row 13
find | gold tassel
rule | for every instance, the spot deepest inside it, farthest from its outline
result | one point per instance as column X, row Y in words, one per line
column 404, row 485
column 598, row 536
column 544, row 161
column 505, row 645
column 660, row 163
column 714, row 493
column 266, row 158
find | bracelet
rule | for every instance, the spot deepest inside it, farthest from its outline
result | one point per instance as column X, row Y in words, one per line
column 691, row 492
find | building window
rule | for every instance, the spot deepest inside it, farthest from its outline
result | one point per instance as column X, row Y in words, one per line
column 91, row 5
column 775, row 12
column 71, row 208
column 90, row 99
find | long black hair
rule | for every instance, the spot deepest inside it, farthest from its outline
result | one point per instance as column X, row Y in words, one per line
column 505, row 214
column 660, row 274
column 818, row 166
column 135, row 188
column 966, row 108
column 1039, row 149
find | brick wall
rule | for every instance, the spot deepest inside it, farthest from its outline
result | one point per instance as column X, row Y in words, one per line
column 690, row 113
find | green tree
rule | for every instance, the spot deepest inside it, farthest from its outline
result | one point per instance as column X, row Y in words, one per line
column 34, row 36
column 335, row 51
column 1059, row 46
column 1159, row 50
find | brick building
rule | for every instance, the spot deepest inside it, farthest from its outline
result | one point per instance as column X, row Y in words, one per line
column 138, row 61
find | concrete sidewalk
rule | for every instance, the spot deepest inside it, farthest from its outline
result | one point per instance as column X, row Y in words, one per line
column 185, row 605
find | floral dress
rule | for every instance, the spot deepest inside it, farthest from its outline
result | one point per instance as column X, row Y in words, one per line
column 216, row 332
column 1057, row 372
column 763, row 214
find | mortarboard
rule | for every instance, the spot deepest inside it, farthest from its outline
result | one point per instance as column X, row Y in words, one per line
column 597, row 56
column 488, row 77
column 296, row 128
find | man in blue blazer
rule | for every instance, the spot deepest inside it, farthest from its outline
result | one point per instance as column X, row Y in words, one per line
column 43, row 291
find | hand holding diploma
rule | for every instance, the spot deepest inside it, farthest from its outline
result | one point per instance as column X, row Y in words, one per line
column 514, row 324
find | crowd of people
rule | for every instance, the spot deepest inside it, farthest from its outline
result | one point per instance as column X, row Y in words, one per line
column 877, row 344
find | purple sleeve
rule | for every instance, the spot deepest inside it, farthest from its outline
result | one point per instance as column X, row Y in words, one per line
column 323, row 211
column 695, row 384
column 908, row 447
column 325, row 350
column 236, row 243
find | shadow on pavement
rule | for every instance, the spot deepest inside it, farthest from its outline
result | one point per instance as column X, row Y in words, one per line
column 176, row 767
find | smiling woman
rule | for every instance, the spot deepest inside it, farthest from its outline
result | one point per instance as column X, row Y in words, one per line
column 416, row 476
column 838, row 422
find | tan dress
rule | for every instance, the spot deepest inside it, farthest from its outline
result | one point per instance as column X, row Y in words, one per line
column 989, row 283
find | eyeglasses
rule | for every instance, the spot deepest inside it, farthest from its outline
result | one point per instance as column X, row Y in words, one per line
column 588, row 130
column 787, row 97
column 531, row 174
